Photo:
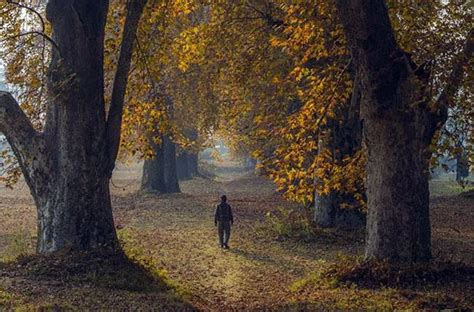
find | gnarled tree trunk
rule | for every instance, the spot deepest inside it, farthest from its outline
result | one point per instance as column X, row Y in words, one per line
column 159, row 173
column 193, row 164
column 398, row 129
column 182, row 166
column 68, row 166
column 324, row 210
column 193, row 156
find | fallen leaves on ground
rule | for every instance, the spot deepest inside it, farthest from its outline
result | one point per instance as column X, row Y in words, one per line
column 174, row 235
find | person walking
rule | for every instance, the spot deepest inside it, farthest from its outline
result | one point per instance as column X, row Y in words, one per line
column 223, row 219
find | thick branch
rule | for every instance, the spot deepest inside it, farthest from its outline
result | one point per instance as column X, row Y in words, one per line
column 17, row 128
column 114, row 121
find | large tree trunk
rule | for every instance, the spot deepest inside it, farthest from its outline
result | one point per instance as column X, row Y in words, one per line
column 328, row 211
column 68, row 166
column 398, row 194
column 462, row 165
column 182, row 166
column 193, row 164
column 76, row 214
column 159, row 173
column 397, row 182
column 342, row 137
column 324, row 210
column 193, row 156
column 187, row 165
column 73, row 202
column 329, row 214
column 398, row 129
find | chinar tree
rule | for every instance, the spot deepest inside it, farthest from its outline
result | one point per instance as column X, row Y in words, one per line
column 68, row 164
column 149, row 127
column 400, row 121
column 171, row 112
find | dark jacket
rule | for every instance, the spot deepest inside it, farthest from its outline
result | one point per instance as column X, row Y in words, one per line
column 223, row 213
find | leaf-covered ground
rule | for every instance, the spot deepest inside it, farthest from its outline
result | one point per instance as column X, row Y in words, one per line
column 173, row 237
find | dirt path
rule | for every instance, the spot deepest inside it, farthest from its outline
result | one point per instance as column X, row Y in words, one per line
column 179, row 231
column 255, row 273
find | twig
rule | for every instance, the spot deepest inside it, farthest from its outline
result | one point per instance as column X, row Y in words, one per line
column 36, row 33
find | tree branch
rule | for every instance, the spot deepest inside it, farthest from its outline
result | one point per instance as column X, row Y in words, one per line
column 42, row 32
column 114, row 121
column 35, row 33
column 18, row 130
column 40, row 17
column 266, row 16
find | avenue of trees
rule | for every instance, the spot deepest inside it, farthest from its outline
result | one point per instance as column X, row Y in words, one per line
column 345, row 104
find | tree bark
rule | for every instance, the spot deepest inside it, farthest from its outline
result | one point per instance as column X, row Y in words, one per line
column 114, row 121
column 193, row 156
column 187, row 165
column 343, row 138
column 398, row 129
column 68, row 166
column 159, row 173
column 324, row 210
column 182, row 166
column 250, row 163
column 462, row 164
column 193, row 164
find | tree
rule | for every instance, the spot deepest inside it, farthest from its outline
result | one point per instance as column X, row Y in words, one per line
column 159, row 172
column 169, row 112
column 68, row 165
column 297, row 118
column 342, row 137
column 400, row 123
column 183, row 165
column 289, row 77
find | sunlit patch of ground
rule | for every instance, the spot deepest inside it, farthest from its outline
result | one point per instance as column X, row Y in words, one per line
column 175, row 235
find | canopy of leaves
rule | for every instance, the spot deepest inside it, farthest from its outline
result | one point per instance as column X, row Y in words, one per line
column 273, row 78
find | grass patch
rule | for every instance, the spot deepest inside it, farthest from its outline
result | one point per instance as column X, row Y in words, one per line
column 137, row 253
column 294, row 226
column 18, row 244
column 376, row 274
column 289, row 223
column 350, row 283
column 447, row 187
column 6, row 300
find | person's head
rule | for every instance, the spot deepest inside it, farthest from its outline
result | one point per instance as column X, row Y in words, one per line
column 223, row 198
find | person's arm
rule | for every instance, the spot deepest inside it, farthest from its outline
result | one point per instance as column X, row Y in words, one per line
column 231, row 216
column 216, row 215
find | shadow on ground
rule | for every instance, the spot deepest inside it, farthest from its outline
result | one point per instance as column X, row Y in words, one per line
column 91, row 280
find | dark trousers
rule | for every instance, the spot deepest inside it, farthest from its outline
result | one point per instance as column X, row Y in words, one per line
column 223, row 229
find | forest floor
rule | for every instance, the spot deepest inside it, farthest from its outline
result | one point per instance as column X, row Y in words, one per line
column 174, row 241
